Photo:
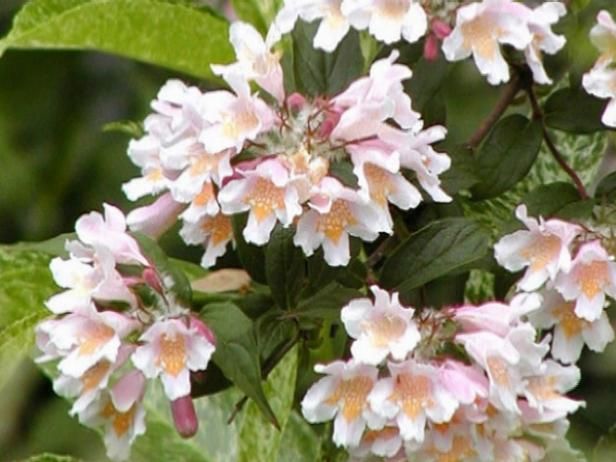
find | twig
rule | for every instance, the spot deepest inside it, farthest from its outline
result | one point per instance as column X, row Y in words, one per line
column 509, row 93
column 538, row 114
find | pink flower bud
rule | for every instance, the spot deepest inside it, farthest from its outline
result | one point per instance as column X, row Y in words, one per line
column 327, row 127
column 155, row 219
column 185, row 416
column 440, row 28
column 430, row 51
column 151, row 278
column 203, row 329
column 295, row 101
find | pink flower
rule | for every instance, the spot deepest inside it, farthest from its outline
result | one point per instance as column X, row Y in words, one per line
column 465, row 383
column 543, row 248
column 591, row 277
column 342, row 395
column 171, row 350
column 385, row 442
column 336, row 212
column 214, row 232
column 155, row 219
column 269, row 195
column 381, row 328
column 545, row 391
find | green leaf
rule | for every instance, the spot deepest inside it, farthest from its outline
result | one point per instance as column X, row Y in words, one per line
column 251, row 257
column 236, row 352
column 547, row 200
column 327, row 302
column 50, row 458
column 258, row 440
column 463, row 171
column 428, row 78
column 285, row 267
column 607, row 187
column 448, row 246
column 299, row 442
column 158, row 32
column 507, row 155
column 257, row 12
column 573, row 110
column 317, row 72
column 25, row 284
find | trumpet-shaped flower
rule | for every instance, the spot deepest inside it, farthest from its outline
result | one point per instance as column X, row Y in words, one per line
column 385, row 442
column 592, row 276
column 571, row 332
column 171, row 350
column 121, row 414
column 269, row 195
column 342, row 395
column 255, row 61
column 543, row 248
column 381, row 328
column 388, row 20
column 213, row 231
column 545, row 391
column 155, row 219
column 336, row 212
column 481, row 28
column 603, row 35
column 412, row 396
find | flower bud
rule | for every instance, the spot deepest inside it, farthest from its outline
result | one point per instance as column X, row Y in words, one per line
column 430, row 51
column 155, row 219
column 185, row 416
column 440, row 28
column 203, row 329
column 151, row 278
column 295, row 101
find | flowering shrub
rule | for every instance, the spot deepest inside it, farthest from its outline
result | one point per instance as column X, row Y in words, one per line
column 343, row 234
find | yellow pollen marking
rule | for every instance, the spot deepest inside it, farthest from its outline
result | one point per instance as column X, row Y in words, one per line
column 499, row 370
column 542, row 251
column 386, row 433
column 413, row 393
column 264, row 198
column 461, row 449
column 385, row 329
column 332, row 224
column 205, row 196
column 93, row 376
column 218, row 227
column 204, row 163
column 155, row 175
column 379, row 182
column 543, row 387
column 571, row 325
column 481, row 36
column 393, row 9
column 350, row 396
column 172, row 356
column 93, row 338
column 236, row 124
column 592, row 277
column 120, row 421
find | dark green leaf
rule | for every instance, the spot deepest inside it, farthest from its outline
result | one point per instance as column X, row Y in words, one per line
column 154, row 31
column 607, row 187
column 327, row 303
column 547, row 200
column 463, row 171
column 507, row 155
column 285, row 267
column 574, row 110
column 428, row 77
column 251, row 256
column 448, row 246
column 50, row 458
column 320, row 73
column 257, row 12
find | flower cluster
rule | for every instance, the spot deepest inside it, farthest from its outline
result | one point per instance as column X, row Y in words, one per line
column 482, row 27
column 280, row 158
column 601, row 79
column 468, row 383
column 107, row 340
column 574, row 272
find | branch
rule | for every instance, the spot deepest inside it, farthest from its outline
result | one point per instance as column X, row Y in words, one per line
column 538, row 114
column 509, row 93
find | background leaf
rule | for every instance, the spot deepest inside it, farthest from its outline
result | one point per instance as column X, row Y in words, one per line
column 285, row 267
column 171, row 35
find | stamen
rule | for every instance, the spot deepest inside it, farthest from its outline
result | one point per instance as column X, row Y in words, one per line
column 413, row 393
column 172, row 356
column 263, row 198
column 332, row 224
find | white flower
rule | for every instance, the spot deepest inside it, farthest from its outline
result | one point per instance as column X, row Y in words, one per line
column 255, row 61
column 545, row 391
column 342, row 395
column 336, row 212
column 385, row 442
column 121, row 413
column 388, row 20
column 380, row 328
column 172, row 350
column 269, row 195
column 544, row 248
column 332, row 29
column 592, row 276
column 603, row 35
column 145, row 153
column 601, row 82
column 571, row 332
column 214, row 232
column 412, row 396
column 481, row 28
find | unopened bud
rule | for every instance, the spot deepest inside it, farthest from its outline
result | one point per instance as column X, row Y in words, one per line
column 440, row 28
column 328, row 125
column 203, row 329
column 185, row 416
column 430, row 51
column 295, row 101
column 151, row 278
